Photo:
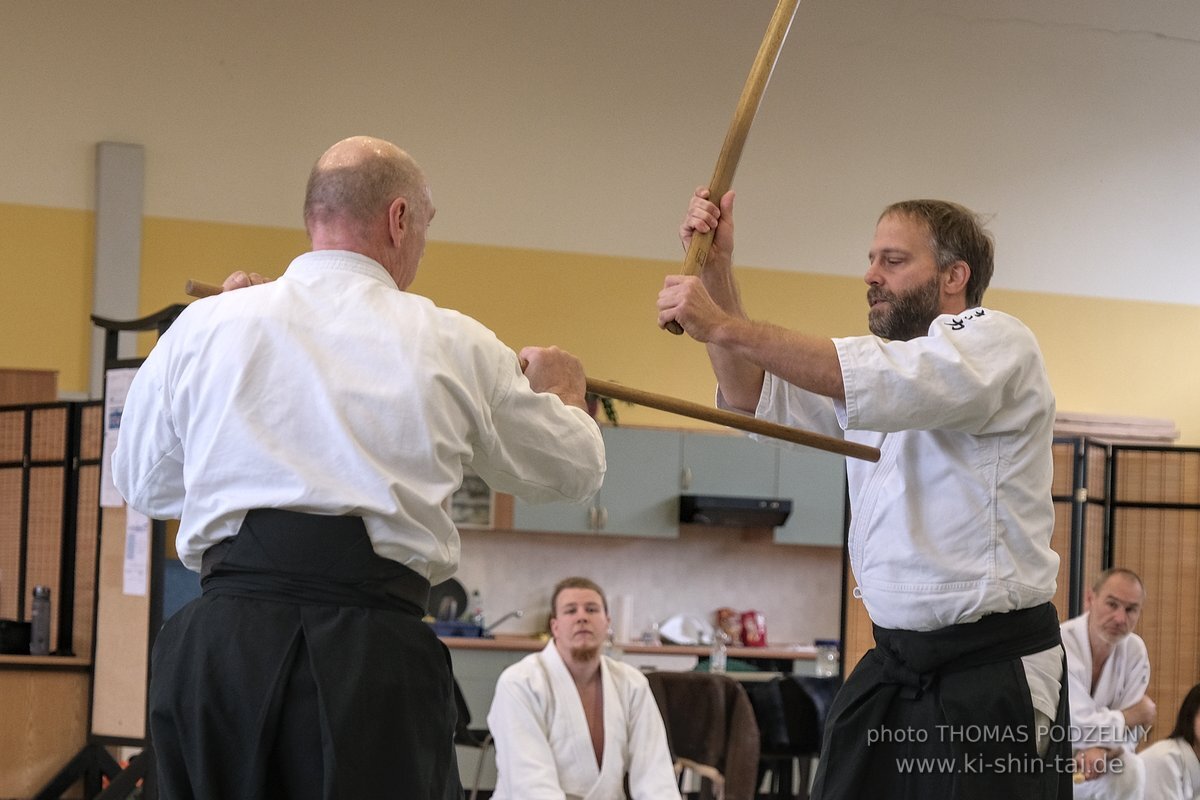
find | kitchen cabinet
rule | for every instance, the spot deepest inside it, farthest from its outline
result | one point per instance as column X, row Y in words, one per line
column 640, row 495
column 815, row 482
column 648, row 468
column 738, row 466
column 734, row 466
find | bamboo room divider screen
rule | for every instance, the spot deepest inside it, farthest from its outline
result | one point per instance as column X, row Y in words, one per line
column 1154, row 529
column 49, row 479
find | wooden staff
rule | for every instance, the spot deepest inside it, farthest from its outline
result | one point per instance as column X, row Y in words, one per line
column 739, row 129
column 729, row 419
column 682, row 407
column 197, row 289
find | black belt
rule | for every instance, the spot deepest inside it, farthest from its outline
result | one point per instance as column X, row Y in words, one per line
column 914, row 659
column 293, row 557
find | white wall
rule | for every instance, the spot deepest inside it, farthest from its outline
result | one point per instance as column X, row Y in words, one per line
column 583, row 126
column 798, row 589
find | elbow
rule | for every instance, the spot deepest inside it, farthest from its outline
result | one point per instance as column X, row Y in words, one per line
column 743, row 400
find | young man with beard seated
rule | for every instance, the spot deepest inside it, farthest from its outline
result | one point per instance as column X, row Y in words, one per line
column 571, row 723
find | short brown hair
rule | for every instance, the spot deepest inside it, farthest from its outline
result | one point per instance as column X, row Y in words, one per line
column 957, row 234
column 575, row 582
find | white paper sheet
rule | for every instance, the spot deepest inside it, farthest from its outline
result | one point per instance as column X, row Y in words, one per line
column 137, row 553
column 116, row 388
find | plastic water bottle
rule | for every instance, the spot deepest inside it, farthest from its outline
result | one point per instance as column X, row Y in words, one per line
column 828, row 662
column 477, row 617
column 39, row 636
column 719, row 656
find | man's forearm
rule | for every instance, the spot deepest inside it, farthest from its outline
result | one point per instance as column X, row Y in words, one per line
column 750, row 348
column 739, row 379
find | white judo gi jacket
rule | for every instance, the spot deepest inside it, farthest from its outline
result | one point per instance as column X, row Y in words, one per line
column 954, row 521
column 543, row 747
column 1172, row 771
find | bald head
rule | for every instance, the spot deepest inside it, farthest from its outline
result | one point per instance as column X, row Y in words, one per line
column 353, row 183
column 368, row 196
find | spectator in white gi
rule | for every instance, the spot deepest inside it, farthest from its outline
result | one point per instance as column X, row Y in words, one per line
column 1173, row 764
column 1108, row 672
column 950, row 531
column 570, row 722
column 307, row 432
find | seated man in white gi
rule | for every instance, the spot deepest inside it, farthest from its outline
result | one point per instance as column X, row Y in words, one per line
column 570, row 723
column 1109, row 671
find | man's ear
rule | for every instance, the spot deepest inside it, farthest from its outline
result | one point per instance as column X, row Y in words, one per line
column 955, row 279
column 397, row 219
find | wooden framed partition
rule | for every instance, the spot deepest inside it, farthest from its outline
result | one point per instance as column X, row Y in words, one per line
column 49, row 529
column 49, row 473
column 1153, row 524
column 127, row 618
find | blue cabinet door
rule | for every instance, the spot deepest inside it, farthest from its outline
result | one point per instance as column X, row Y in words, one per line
column 728, row 464
column 640, row 495
column 815, row 482
column 555, row 517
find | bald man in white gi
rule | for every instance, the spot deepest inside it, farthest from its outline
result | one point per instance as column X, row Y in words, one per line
column 307, row 432
column 1109, row 671
column 570, row 723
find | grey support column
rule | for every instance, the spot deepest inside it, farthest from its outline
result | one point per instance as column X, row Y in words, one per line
column 120, row 174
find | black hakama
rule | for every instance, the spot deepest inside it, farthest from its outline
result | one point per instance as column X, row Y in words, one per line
column 303, row 671
column 946, row 715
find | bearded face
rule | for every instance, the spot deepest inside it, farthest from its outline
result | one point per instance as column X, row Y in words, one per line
column 904, row 316
column 580, row 624
column 584, row 652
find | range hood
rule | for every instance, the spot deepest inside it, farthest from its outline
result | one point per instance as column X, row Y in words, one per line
column 733, row 512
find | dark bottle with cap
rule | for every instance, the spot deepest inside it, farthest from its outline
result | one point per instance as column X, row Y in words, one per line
column 39, row 635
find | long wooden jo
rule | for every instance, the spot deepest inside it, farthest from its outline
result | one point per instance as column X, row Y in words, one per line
column 681, row 407
column 197, row 289
column 731, row 420
column 739, row 129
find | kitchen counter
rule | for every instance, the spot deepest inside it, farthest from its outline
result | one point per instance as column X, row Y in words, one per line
column 78, row 663
column 530, row 644
column 783, row 652
column 522, row 644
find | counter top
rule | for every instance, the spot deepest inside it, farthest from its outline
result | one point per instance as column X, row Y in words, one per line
column 530, row 644
column 527, row 644
column 781, row 652
column 61, row 662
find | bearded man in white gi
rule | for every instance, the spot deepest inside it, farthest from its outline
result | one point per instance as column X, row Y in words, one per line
column 1109, row 671
column 570, row 723
column 950, row 531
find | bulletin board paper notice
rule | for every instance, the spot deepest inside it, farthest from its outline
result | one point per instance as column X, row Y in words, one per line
column 137, row 553
column 116, row 389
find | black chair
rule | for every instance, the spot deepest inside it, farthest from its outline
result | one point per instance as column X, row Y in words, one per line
column 790, row 711
column 467, row 736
